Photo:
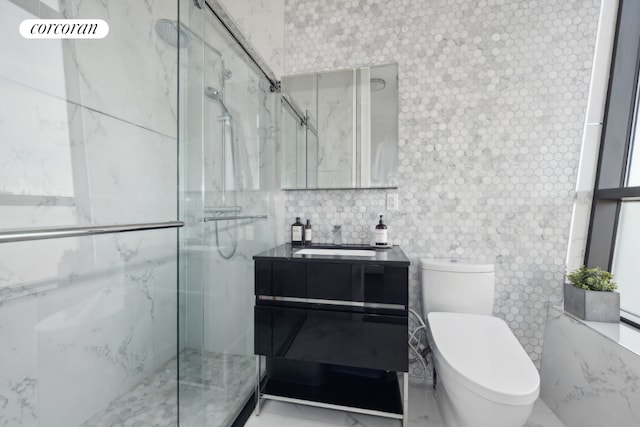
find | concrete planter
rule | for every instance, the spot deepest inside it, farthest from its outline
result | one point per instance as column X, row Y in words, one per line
column 597, row 306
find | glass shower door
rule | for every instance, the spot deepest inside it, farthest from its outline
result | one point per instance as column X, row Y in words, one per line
column 228, row 188
column 88, row 142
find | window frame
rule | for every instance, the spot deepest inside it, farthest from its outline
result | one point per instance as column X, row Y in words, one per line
column 620, row 118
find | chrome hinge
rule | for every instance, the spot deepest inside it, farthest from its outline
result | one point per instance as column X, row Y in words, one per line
column 276, row 86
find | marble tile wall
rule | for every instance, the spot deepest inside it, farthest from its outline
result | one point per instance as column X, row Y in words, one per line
column 89, row 137
column 244, row 94
column 492, row 107
column 134, row 59
column 262, row 23
column 587, row 379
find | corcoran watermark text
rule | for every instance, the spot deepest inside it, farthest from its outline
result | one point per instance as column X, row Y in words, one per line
column 64, row 28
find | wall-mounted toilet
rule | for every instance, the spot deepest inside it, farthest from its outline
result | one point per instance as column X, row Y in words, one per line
column 484, row 376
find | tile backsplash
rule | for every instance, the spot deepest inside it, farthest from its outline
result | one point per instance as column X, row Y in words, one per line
column 492, row 106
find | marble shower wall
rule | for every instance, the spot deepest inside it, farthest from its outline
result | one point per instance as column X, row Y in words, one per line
column 492, row 107
column 89, row 137
column 262, row 24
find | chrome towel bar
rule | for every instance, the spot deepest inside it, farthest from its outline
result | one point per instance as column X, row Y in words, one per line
column 223, row 209
column 21, row 235
column 233, row 217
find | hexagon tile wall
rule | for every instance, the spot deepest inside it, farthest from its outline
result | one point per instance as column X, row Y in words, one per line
column 492, row 104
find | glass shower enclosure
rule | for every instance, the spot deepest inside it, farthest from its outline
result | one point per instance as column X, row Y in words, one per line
column 138, row 176
column 88, row 218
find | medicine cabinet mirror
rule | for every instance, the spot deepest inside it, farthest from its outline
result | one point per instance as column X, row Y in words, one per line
column 340, row 128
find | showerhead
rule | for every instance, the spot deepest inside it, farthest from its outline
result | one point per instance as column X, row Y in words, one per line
column 169, row 32
column 377, row 84
column 215, row 95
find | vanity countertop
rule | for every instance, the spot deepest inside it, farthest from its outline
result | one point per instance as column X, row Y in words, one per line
column 389, row 256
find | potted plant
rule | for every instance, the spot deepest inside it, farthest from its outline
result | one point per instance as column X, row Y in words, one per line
column 590, row 295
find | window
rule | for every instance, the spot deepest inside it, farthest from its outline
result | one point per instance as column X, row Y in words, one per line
column 626, row 255
column 614, row 232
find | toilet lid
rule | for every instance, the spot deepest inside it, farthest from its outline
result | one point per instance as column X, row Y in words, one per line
column 486, row 355
column 455, row 265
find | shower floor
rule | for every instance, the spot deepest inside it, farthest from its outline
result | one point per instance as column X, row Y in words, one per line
column 213, row 389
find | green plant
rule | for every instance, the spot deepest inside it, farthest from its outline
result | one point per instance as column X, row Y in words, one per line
column 592, row 279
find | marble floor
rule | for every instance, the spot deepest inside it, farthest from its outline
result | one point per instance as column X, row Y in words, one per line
column 423, row 412
column 213, row 389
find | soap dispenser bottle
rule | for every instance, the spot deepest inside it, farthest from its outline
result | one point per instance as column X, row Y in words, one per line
column 381, row 233
column 307, row 233
column 297, row 232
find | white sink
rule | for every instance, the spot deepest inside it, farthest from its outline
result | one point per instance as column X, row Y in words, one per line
column 330, row 252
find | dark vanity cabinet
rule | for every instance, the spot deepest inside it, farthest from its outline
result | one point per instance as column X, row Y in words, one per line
column 331, row 326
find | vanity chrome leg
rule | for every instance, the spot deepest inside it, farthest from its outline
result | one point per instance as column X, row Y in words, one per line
column 405, row 399
column 257, row 385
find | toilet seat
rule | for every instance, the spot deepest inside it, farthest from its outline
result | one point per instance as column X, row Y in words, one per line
column 484, row 355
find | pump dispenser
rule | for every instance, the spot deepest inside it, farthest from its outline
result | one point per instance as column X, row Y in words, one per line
column 297, row 232
column 381, row 233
